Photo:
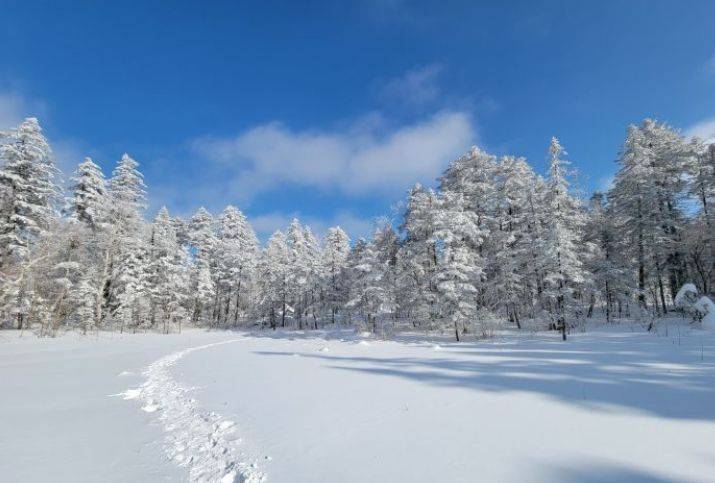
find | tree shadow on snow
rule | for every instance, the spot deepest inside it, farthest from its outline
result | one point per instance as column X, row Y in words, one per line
column 606, row 473
column 626, row 370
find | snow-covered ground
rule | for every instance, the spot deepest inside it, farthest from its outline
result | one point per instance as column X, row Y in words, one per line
column 612, row 404
column 61, row 419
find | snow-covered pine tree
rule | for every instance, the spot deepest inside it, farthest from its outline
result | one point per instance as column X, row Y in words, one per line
column 560, row 257
column 168, row 272
column 202, row 289
column 460, row 269
column 202, row 233
column 28, row 190
column 387, row 246
column 335, row 254
column 83, row 304
column 236, row 258
column 365, row 275
column 131, row 290
column 90, row 202
column 605, row 263
column 202, row 239
column 472, row 175
column 508, row 258
column 273, row 268
column 314, row 273
column 128, row 196
column 646, row 197
column 417, row 260
column 124, row 242
column 298, row 269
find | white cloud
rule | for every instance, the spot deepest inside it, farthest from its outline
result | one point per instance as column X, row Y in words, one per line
column 12, row 110
column 362, row 158
column 416, row 87
column 705, row 130
column 15, row 107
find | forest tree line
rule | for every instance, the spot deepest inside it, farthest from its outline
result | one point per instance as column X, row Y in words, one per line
column 493, row 245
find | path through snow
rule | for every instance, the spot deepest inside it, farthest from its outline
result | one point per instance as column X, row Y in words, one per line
column 203, row 441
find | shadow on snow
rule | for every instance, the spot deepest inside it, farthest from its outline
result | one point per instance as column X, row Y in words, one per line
column 630, row 370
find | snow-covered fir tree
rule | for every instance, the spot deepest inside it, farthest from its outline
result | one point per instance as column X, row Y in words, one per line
column 561, row 250
column 28, row 190
column 90, row 202
column 335, row 253
column 236, row 252
column 460, row 268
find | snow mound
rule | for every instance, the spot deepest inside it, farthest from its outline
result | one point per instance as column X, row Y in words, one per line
column 200, row 441
column 701, row 308
column 687, row 292
column 706, row 308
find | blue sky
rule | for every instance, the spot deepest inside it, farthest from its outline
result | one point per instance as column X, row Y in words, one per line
column 331, row 110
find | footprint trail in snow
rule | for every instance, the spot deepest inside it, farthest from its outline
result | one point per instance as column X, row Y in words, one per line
column 202, row 441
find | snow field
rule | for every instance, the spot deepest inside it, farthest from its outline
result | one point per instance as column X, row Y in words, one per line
column 610, row 405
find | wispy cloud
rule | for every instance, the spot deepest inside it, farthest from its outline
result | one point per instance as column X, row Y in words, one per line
column 14, row 108
column 362, row 158
column 415, row 88
column 705, row 130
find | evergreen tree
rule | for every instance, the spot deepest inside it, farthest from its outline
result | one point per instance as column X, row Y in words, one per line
column 273, row 278
column 236, row 253
column 28, row 190
column 646, row 197
column 560, row 258
column 460, row 268
column 90, row 200
column 128, row 196
column 335, row 254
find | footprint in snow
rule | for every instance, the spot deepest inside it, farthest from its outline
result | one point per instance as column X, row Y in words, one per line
column 150, row 407
column 224, row 425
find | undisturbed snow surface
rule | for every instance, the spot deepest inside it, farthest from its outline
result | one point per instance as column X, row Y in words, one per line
column 610, row 405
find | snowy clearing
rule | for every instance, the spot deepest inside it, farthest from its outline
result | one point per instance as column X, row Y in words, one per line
column 614, row 404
